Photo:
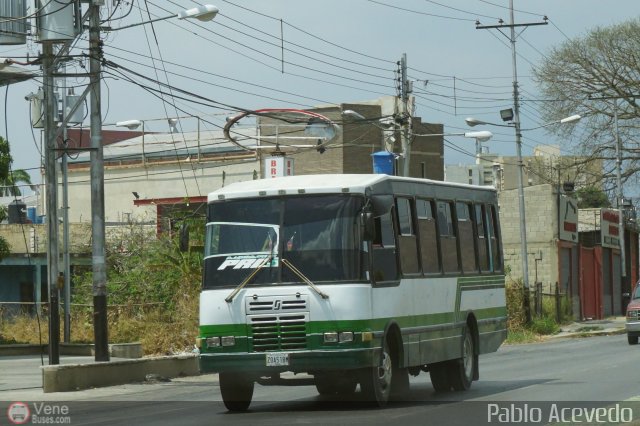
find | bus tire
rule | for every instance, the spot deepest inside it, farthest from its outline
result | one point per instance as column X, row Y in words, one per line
column 461, row 370
column 236, row 390
column 439, row 373
column 632, row 340
column 375, row 382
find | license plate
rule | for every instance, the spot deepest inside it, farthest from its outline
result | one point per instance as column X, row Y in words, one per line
column 277, row 359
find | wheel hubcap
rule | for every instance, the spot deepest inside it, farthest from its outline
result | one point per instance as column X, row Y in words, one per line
column 384, row 371
column 468, row 357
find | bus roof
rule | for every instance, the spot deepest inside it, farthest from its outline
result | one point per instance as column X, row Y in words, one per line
column 318, row 184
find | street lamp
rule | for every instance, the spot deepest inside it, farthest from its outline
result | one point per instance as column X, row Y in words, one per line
column 202, row 13
column 521, row 207
column 474, row 122
column 480, row 136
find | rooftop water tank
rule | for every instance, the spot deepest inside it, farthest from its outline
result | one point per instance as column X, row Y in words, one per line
column 383, row 162
column 17, row 212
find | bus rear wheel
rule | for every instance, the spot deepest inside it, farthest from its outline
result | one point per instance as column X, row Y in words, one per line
column 236, row 390
column 439, row 373
column 461, row 370
column 375, row 382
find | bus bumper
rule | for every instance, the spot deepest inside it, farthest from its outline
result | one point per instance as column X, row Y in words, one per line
column 299, row 361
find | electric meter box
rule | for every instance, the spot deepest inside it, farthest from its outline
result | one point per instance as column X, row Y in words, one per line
column 56, row 21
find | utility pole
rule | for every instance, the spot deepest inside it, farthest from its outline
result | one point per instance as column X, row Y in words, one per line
column 52, row 202
column 516, row 124
column 405, row 91
column 65, row 222
column 619, row 202
column 99, row 289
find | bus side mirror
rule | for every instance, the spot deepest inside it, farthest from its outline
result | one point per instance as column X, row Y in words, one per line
column 368, row 226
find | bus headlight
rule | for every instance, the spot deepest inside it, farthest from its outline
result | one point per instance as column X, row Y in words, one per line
column 342, row 337
column 213, row 342
column 345, row 336
column 228, row 340
column 331, row 337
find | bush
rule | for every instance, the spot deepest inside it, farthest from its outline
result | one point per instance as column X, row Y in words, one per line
column 153, row 293
column 544, row 325
column 516, row 319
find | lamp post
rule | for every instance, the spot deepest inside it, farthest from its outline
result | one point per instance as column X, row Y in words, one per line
column 507, row 115
column 99, row 288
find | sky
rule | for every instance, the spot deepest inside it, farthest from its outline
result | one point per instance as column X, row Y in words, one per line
column 301, row 53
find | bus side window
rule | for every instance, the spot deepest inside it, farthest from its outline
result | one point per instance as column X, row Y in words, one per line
column 428, row 236
column 495, row 243
column 465, row 232
column 448, row 240
column 407, row 240
column 483, row 241
column 384, row 250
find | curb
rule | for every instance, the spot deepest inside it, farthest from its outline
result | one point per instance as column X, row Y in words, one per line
column 71, row 377
column 580, row 334
column 117, row 350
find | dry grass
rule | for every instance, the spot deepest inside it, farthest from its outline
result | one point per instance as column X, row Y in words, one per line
column 159, row 332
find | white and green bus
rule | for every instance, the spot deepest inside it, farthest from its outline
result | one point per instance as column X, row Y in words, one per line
column 352, row 279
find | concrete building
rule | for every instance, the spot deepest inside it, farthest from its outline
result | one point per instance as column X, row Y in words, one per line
column 552, row 239
column 545, row 166
column 603, row 284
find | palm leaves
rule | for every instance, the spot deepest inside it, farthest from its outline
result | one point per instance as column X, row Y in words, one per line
column 8, row 186
column 10, row 178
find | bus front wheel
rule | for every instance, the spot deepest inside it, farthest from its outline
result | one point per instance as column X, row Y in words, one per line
column 375, row 382
column 236, row 390
column 461, row 370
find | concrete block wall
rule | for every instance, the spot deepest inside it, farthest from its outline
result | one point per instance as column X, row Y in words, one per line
column 79, row 236
column 35, row 237
column 542, row 233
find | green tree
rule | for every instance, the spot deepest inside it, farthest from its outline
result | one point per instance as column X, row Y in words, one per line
column 597, row 76
column 10, row 178
column 9, row 186
column 591, row 197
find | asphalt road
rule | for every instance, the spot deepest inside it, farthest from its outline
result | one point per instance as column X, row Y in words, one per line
column 524, row 380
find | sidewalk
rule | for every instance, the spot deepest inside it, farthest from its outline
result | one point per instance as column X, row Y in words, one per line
column 19, row 372
column 612, row 325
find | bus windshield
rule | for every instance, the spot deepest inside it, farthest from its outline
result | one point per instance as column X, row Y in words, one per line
column 318, row 235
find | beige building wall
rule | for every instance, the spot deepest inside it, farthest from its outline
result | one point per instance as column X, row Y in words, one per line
column 176, row 179
column 542, row 232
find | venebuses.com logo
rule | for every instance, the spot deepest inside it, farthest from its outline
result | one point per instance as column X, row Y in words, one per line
column 20, row 413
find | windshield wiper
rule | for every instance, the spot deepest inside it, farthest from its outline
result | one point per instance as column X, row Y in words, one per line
column 230, row 297
column 304, row 278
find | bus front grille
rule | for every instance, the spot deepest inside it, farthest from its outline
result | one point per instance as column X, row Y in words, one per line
column 278, row 332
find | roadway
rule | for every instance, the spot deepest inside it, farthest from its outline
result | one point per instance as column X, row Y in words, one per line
column 597, row 371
